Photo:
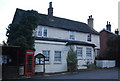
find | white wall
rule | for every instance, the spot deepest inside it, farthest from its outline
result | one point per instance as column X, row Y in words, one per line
column 96, row 40
column 0, row 62
column 82, row 61
column 52, row 66
column 105, row 63
column 64, row 34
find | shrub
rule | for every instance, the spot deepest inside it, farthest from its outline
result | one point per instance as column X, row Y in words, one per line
column 72, row 60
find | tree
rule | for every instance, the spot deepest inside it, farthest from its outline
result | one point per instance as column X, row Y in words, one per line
column 72, row 60
column 20, row 33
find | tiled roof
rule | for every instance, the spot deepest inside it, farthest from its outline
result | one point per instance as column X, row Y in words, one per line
column 107, row 31
column 58, row 22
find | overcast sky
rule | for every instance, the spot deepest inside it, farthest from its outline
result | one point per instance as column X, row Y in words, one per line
column 78, row 10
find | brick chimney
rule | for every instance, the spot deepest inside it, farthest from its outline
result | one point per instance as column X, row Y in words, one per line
column 108, row 26
column 90, row 21
column 116, row 32
column 50, row 10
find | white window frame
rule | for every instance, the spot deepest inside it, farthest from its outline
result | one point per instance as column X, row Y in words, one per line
column 57, row 58
column 46, row 55
column 45, row 28
column 89, row 37
column 42, row 30
column 89, row 52
column 72, row 33
column 79, row 52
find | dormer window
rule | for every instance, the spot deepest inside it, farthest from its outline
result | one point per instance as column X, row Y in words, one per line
column 71, row 35
column 45, row 31
column 42, row 31
column 89, row 37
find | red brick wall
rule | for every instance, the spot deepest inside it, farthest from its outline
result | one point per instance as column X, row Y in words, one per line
column 104, row 35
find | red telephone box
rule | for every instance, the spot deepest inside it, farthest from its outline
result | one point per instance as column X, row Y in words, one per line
column 29, row 62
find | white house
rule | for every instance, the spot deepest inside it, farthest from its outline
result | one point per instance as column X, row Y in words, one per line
column 54, row 36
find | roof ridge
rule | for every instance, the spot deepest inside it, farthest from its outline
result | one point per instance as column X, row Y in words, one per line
column 58, row 22
column 55, row 16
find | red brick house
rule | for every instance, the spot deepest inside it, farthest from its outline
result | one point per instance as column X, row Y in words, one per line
column 104, row 35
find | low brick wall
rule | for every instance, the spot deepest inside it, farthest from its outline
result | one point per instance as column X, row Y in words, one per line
column 105, row 63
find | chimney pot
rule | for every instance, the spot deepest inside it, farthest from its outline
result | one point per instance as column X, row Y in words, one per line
column 90, row 21
column 116, row 31
column 50, row 10
column 108, row 26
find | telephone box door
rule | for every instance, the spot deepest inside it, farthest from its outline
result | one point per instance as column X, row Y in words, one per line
column 29, row 62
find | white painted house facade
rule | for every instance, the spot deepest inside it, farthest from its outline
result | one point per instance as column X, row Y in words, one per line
column 55, row 35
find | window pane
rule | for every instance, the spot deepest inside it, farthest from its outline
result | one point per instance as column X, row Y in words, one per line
column 79, row 51
column 47, row 55
column 89, row 37
column 72, row 35
column 40, row 31
column 37, row 61
column 57, row 56
column 45, row 32
column 88, row 52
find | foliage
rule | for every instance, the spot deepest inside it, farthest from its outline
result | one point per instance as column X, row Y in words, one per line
column 20, row 33
column 90, row 65
column 72, row 60
column 72, row 56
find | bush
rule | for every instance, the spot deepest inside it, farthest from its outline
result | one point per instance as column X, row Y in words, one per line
column 90, row 65
column 72, row 60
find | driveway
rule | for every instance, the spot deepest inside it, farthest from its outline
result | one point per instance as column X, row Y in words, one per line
column 92, row 74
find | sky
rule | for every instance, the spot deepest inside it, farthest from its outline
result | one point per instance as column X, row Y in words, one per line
column 78, row 10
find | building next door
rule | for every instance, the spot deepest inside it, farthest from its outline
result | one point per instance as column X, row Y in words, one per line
column 29, row 62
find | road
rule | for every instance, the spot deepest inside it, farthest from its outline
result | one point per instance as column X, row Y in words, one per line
column 92, row 74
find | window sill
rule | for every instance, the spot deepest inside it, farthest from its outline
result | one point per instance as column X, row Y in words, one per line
column 47, row 62
column 57, row 62
column 80, row 59
column 89, row 58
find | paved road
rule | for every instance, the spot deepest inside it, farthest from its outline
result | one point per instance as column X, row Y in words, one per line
column 93, row 74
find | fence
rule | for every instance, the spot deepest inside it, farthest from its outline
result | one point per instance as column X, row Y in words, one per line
column 105, row 63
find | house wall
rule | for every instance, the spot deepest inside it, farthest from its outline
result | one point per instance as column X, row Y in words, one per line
column 82, row 61
column 104, row 35
column 64, row 34
column 52, row 66
column 0, row 62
